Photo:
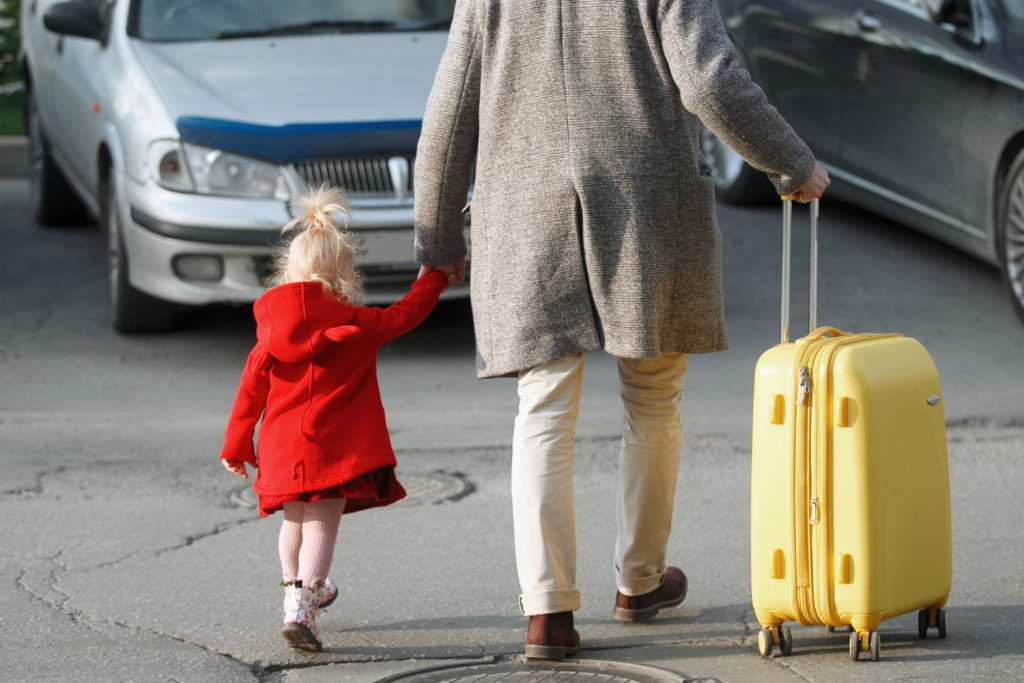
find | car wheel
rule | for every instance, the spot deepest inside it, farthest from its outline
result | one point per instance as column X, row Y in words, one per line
column 1010, row 234
column 736, row 182
column 131, row 310
column 53, row 200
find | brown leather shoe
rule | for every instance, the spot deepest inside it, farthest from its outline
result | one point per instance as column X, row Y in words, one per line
column 551, row 636
column 643, row 608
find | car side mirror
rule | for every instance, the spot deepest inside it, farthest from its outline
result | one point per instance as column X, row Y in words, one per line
column 80, row 19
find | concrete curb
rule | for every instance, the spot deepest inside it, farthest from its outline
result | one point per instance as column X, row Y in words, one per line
column 13, row 156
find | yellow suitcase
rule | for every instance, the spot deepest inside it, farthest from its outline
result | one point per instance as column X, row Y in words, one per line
column 849, row 509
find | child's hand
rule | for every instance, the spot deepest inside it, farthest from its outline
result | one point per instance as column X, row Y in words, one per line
column 235, row 468
column 456, row 272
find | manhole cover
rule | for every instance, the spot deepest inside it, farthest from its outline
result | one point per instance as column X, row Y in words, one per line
column 422, row 488
column 549, row 672
column 433, row 488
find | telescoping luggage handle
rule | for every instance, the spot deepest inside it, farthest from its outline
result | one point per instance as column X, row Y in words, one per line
column 787, row 243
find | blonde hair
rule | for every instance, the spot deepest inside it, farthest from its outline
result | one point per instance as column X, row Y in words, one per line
column 322, row 249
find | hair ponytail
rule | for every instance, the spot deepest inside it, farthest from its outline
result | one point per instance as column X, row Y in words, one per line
column 322, row 249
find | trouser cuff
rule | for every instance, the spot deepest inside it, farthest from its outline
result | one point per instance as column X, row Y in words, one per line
column 640, row 586
column 550, row 602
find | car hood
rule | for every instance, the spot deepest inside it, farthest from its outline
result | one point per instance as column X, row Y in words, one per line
column 296, row 79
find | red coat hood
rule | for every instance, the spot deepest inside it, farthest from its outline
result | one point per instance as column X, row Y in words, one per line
column 294, row 322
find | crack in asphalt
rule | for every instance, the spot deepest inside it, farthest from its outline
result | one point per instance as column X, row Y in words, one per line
column 85, row 619
column 788, row 667
column 108, row 564
column 194, row 538
column 37, row 489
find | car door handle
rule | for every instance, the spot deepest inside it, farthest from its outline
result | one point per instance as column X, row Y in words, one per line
column 868, row 22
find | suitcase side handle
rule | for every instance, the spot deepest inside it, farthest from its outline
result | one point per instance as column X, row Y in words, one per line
column 787, row 245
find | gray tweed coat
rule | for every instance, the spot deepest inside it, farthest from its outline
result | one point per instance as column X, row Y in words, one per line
column 593, row 218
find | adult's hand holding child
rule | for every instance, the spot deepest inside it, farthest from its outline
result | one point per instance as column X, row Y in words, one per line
column 456, row 272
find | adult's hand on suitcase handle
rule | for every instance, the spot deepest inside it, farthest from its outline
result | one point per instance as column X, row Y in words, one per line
column 813, row 188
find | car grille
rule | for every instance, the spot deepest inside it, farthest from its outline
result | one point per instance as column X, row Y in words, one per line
column 362, row 177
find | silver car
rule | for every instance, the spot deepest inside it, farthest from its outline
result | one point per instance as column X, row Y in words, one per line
column 188, row 127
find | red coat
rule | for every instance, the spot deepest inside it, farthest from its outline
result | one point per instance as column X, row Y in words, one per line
column 313, row 377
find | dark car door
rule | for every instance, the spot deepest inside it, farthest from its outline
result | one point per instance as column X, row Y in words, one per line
column 902, row 105
column 790, row 48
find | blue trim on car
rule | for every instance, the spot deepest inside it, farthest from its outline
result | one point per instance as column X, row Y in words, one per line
column 296, row 142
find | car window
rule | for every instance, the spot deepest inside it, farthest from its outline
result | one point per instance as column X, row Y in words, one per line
column 181, row 20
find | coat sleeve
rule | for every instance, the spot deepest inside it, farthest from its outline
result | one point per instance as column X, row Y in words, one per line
column 719, row 91
column 250, row 401
column 447, row 145
column 406, row 313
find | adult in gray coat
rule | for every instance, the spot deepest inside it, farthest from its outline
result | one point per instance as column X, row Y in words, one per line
column 593, row 228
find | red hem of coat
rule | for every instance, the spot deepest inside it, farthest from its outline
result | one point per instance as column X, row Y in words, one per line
column 376, row 488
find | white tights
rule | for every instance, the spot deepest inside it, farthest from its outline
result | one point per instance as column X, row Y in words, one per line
column 307, row 538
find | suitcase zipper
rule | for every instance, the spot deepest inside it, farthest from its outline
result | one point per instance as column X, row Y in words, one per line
column 803, row 387
column 804, row 599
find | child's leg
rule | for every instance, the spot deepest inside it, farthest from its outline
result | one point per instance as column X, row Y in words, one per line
column 290, row 540
column 320, row 524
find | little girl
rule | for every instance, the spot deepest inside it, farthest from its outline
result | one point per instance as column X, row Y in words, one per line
column 323, row 442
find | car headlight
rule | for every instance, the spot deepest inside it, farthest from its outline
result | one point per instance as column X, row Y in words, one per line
column 184, row 167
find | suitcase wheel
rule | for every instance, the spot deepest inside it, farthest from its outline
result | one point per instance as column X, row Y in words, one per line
column 874, row 643
column 929, row 618
column 766, row 640
column 785, row 641
column 875, row 646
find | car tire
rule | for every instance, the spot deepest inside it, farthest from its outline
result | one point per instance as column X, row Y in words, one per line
column 53, row 200
column 130, row 309
column 1010, row 234
column 736, row 182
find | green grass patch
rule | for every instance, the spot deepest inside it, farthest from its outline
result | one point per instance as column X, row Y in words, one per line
column 11, row 122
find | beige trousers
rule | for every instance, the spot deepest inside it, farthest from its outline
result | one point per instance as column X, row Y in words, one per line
column 542, row 492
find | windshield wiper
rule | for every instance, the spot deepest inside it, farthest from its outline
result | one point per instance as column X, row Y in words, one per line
column 341, row 26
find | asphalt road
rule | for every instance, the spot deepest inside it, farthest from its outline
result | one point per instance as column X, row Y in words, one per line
column 125, row 559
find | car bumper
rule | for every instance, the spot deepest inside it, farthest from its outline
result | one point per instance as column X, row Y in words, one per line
column 162, row 230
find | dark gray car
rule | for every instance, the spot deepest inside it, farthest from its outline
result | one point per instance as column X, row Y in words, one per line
column 915, row 107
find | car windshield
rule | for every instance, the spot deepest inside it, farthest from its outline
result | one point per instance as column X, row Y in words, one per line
column 181, row 20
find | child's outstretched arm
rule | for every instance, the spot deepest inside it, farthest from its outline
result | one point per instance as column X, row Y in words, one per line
column 409, row 311
column 250, row 400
